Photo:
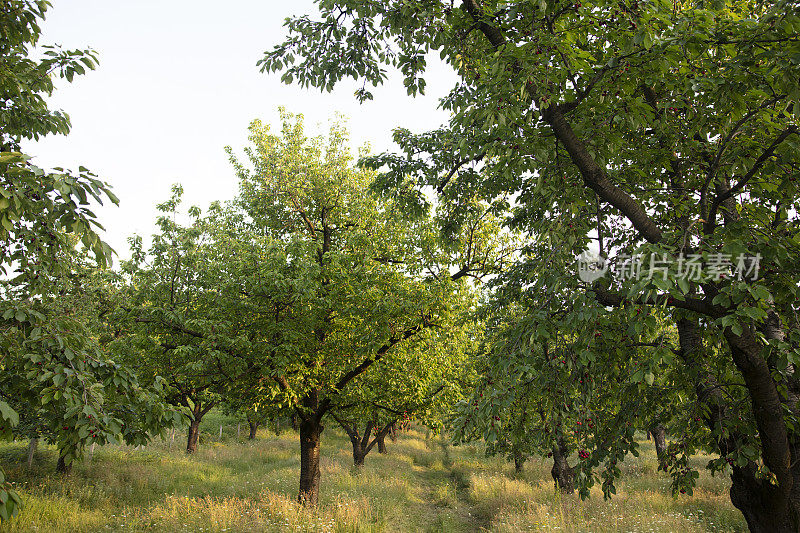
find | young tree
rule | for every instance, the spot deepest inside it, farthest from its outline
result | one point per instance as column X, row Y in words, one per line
column 674, row 127
column 179, row 323
column 368, row 288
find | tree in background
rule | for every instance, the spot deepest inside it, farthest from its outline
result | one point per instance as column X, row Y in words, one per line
column 367, row 289
column 183, row 322
column 86, row 397
column 421, row 381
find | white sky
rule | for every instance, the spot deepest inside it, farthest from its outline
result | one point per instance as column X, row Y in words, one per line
column 177, row 82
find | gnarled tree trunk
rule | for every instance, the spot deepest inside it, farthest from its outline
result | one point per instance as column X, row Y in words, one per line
column 563, row 474
column 765, row 506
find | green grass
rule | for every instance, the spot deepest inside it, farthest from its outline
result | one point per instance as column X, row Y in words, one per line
column 422, row 484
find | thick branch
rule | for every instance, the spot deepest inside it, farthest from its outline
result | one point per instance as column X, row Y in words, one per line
column 366, row 363
column 596, row 179
column 613, row 299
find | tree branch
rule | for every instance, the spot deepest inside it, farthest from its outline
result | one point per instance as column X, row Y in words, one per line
column 712, row 213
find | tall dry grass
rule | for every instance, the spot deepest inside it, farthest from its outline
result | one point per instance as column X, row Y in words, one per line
column 422, row 484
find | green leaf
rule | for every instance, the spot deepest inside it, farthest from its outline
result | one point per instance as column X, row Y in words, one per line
column 8, row 413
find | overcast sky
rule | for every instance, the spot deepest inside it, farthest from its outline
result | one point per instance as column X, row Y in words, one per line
column 177, row 82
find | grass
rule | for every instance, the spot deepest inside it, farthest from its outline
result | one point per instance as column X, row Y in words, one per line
column 421, row 484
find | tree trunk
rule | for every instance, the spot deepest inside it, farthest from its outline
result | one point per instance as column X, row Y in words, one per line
column 193, row 437
column 765, row 509
column 32, row 445
column 62, row 467
column 310, row 433
column 278, row 427
column 253, row 429
column 765, row 506
column 659, row 434
column 563, row 475
column 381, row 438
column 295, row 424
column 519, row 462
column 358, row 452
column 393, row 432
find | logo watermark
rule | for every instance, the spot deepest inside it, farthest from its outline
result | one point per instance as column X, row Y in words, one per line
column 692, row 267
column 591, row 267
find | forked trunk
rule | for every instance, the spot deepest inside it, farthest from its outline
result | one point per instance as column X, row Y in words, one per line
column 310, row 433
column 361, row 445
column 193, row 436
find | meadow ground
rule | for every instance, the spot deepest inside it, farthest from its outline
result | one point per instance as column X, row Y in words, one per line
column 421, row 484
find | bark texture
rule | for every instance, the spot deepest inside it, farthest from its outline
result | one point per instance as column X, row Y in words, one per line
column 310, row 433
column 193, row 436
column 563, row 474
column 659, row 434
column 381, row 443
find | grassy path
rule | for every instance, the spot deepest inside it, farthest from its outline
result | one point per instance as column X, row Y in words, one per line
column 444, row 504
